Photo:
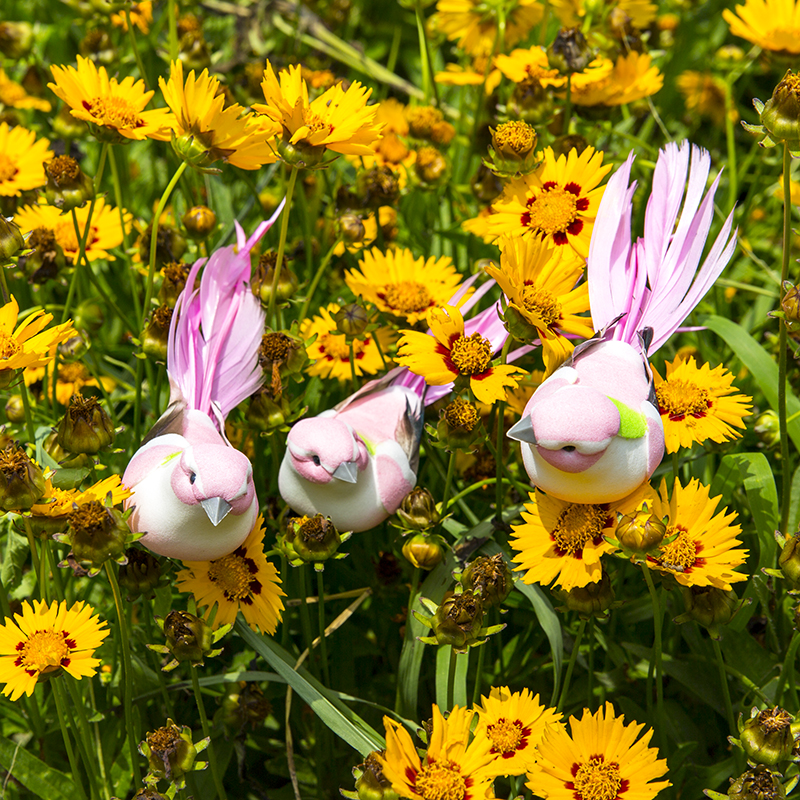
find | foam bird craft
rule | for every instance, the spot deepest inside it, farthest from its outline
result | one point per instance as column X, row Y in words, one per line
column 592, row 432
column 193, row 493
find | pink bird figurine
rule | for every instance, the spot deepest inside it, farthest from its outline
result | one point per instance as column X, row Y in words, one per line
column 592, row 432
column 193, row 493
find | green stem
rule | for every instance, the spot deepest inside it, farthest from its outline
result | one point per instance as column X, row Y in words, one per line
column 61, row 713
column 451, row 468
column 590, row 683
column 451, row 678
column 127, row 675
column 353, row 376
column 655, row 664
column 412, row 596
column 573, row 657
column 98, row 743
column 568, row 105
column 212, row 761
column 26, row 405
column 34, row 553
column 85, row 738
column 476, row 691
column 305, row 620
column 276, row 276
column 500, row 422
column 135, row 48
column 172, row 18
column 316, row 279
column 4, row 285
column 788, row 666
column 786, row 482
column 733, row 176
column 323, row 645
column 428, row 80
column 726, row 692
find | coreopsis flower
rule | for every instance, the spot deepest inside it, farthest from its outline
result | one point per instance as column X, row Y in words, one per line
column 780, row 115
column 71, row 379
column 171, row 754
column 113, row 110
column 331, row 351
column 43, row 640
column 522, row 64
column 474, row 75
column 599, row 758
column 563, row 542
column 771, row 24
column 401, row 285
column 698, row 403
column 633, row 77
column 543, row 300
column 57, row 504
column 453, row 766
column 29, row 344
column 557, row 203
column 337, row 120
column 205, row 130
column 241, row 581
column 105, row 231
column 704, row 550
column 704, row 94
column 474, row 26
column 22, row 160
column 141, row 16
column 14, row 95
column 514, row 723
column 447, row 354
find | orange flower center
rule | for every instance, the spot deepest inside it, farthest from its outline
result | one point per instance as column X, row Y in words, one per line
column 540, row 302
column 314, row 122
column 440, row 781
column 234, row 576
column 471, row 355
column 114, row 112
column 8, row 168
column 506, row 735
column 679, row 399
column 8, row 346
column 577, row 525
column 554, row 210
column 45, row 651
column 407, row 297
column 66, row 236
column 333, row 345
column 597, row 780
column 681, row 554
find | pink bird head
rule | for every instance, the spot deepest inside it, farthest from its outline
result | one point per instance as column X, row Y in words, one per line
column 344, row 455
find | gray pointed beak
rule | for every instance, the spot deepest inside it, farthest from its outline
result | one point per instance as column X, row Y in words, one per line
column 216, row 509
column 346, row 471
column 522, row 431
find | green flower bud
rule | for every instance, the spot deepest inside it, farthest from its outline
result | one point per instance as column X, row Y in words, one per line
column 531, row 101
column 141, row 575
column 351, row 320
column 301, row 154
column 191, row 148
column 97, row 533
column 98, row 46
column 88, row 317
column 513, row 150
column 371, row 783
column 67, row 186
column 460, row 426
column 572, row 141
column 21, row 480
column 592, row 600
column 156, row 334
column 15, row 409
column 282, row 355
column 486, row 186
column 148, row 793
column 489, row 577
column 265, row 413
column 173, row 282
column 68, row 127
column 518, row 325
column 418, row 510
column 170, row 244
column 189, row 638
column 766, row 737
column 194, row 51
column 767, row 428
column 315, row 539
column 264, row 275
column 431, row 168
column 246, row 705
column 789, row 560
column 424, row 550
column 170, row 753
column 47, row 257
column 570, row 52
column 16, row 39
column 11, row 239
column 790, row 306
column 199, row 222
column 459, row 620
column 640, row 533
column 351, row 228
column 760, row 783
column 781, row 114
column 708, row 605
column 85, row 427
column 377, row 187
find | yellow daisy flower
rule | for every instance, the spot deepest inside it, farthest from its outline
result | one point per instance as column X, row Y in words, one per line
column 539, row 286
column 29, row 345
column 514, row 724
column 771, row 24
column 557, row 203
column 105, row 231
column 72, row 377
column 401, row 285
column 22, row 160
column 44, row 640
column 58, row 502
column 337, row 120
column 451, row 767
column 447, row 354
column 563, row 542
column 704, row 94
column 633, row 77
column 332, row 353
column 141, row 17
column 520, row 64
column 698, row 403
column 467, row 23
column 599, row 758
column 705, row 551
column 205, row 130
column 241, row 581
column 114, row 110
column 14, row 95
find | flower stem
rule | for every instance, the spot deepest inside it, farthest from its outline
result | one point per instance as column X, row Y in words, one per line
column 135, row 47
column 500, row 423
column 61, row 713
column 4, row 285
column 34, row 554
column 172, row 17
column 590, row 683
column 276, row 276
column 353, row 375
column 573, row 657
column 212, row 762
column 399, row 702
column 428, row 81
column 127, row 676
column 305, row 620
column 451, row 468
column 733, row 186
column 26, row 405
column 316, row 279
column 726, row 692
column 786, row 482
column 323, row 645
column 788, row 666
column 476, row 691
column 655, row 664
column 84, row 738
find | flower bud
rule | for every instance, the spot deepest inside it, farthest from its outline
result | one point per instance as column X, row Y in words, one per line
column 431, row 167
column 531, row 101
column 513, row 150
column 47, row 257
column 199, row 222
column 459, row 620
column 459, row 426
column 767, row 428
column 98, row 46
column 570, row 141
column 378, row 186
column 592, row 600
column 189, row 638
column 156, row 334
column 422, row 120
column 351, row 228
column 264, row 275
column 570, row 52
column 301, row 154
column 85, row 427
column 97, row 533
column 351, row 320
column 371, row 783
column 281, row 355
column 268, row 413
column 16, row 39
column 766, row 737
column 781, row 114
column 486, row 186
column 21, row 480
column 246, row 705
column 489, row 577
column 170, row 752
column 760, row 783
column 170, row 244
column 790, row 305
column 709, row 606
column 11, row 239
column 789, row 560
column 192, row 149
column 194, row 51
column 141, row 575
column 424, row 550
column 174, row 275
column 418, row 510
column 89, row 317
column 641, row 532
column 148, row 793
column 15, row 409
column 68, row 186
column 314, row 539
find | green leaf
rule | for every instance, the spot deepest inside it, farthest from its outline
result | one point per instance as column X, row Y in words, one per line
column 34, row 774
column 345, row 723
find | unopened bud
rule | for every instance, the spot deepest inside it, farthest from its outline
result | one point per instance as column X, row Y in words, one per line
column 264, row 276
column 789, row 560
column 189, row 638
column 15, row 409
column 459, row 620
column 11, row 239
column 760, row 783
column 67, row 186
column 199, row 222
column 47, row 257
column 709, row 606
column 371, row 783
column 489, row 577
column 141, row 575
column 170, row 752
column 592, row 600
column 531, row 101
column 170, row 244
column 16, row 39
column 378, row 187
column 351, row 228
column 156, row 334
column 767, row 738
column 424, row 550
column 301, row 154
column 21, row 480
column 174, row 275
column 418, row 510
column 459, row 426
column 351, row 320
column 768, row 429
column 640, row 532
column 781, row 114
column 85, row 427
column 790, row 305
column 314, row 539
column 570, row 52
column 97, row 533
column 513, row 150
column 431, row 167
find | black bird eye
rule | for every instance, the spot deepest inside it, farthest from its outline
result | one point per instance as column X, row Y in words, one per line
column 192, row 477
column 316, row 460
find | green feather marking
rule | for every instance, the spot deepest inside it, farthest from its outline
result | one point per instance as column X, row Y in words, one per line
column 632, row 424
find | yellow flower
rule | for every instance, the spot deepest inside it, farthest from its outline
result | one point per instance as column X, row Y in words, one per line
column 563, row 542
column 452, row 767
column 520, row 64
column 599, row 758
column 640, row 12
column 448, row 354
column 476, row 75
column 632, row 78
column 539, row 286
column 205, row 130
column 401, row 285
column 518, row 398
column 704, row 552
column 45, row 640
column 241, row 581
column 22, row 160
column 387, row 216
column 105, row 231
column 141, row 17
column 13, row 94
column 59, row 502
column 72, row 377
column 475, row 30
column 698, row 403
column 332, row 353
column 794, row 192
column 338, row 120
column 705, row 95
column 113, row 110
column 557, row 203
column 514, row 724
column 771, row 24
column 29, row 345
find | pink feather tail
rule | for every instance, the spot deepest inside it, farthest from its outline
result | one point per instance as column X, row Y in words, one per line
column 216, row 329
